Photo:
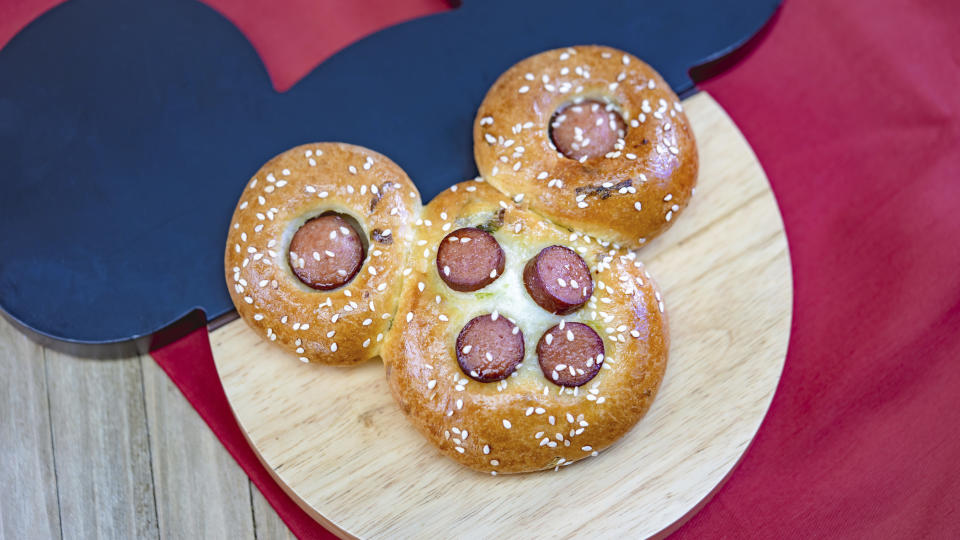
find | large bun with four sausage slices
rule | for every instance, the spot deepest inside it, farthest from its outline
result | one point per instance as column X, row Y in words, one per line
column 516, row 335
column 500, row 381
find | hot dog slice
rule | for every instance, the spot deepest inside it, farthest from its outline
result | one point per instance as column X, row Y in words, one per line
column 489, row 348
column 589, row 129
column 558, row 280
column 326, row 252
column 570, row 354
column 469, row 259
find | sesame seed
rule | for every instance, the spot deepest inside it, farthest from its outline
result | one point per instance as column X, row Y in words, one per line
column 506, row 423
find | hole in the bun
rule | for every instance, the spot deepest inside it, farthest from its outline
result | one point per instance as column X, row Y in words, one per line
column 586, row 129
column 327, row 251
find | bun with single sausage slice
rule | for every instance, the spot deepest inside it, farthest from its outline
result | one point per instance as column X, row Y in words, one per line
column 316, row 249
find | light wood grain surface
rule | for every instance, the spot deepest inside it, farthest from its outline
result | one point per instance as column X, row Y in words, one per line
column 111, row 449
column 342, row 448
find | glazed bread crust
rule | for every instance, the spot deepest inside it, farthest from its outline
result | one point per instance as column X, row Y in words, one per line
column 630, row 195
column 524, row 422
column 342, row 326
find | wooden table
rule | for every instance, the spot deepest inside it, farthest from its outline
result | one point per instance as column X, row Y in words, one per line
column 111, row 449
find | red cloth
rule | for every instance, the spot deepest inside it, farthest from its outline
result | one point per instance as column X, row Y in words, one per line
column 854, row 110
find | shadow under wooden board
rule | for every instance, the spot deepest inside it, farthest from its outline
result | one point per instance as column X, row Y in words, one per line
column 338, row 444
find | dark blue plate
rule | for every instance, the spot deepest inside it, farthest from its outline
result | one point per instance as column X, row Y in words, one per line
column 128, row 130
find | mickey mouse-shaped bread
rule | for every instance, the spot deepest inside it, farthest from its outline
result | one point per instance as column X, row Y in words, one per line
column 516, row 331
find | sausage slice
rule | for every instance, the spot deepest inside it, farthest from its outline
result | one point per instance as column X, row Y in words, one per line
column 469, row 259
column 558, row 280
column 570, row 354
column 326, row 252
column 586, row 129
column 489, row 348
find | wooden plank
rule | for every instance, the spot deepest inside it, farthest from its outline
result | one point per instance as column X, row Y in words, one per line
column 28, row 507
column 269, row 526
column 344, row 450
column 101, row 447
column 201, row 492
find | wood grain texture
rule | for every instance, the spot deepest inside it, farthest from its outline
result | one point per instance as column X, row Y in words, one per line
column 335, row 439
column 29, row 506
column 200, row 490
column 101, row 447
column 267, row 523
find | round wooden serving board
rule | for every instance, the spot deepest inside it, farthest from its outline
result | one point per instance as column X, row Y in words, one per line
column 335, row 440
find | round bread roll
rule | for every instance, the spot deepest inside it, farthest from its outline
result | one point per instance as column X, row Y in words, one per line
column 316, row 250
column 592, row 138
column 494, row 379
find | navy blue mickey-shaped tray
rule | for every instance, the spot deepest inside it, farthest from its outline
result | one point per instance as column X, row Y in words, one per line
column 128, row 129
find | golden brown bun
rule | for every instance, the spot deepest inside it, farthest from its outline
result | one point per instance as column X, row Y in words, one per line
column 340, row 326
column 524, row 422
column 630, row 195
